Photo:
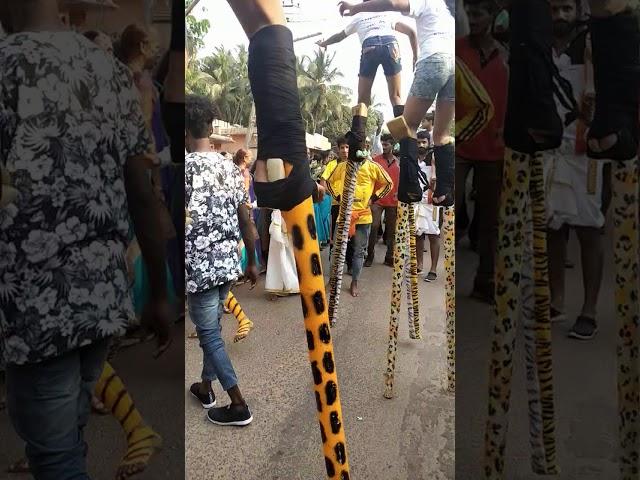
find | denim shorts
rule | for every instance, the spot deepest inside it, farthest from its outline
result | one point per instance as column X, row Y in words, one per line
column 435, row 76
column 378, row 51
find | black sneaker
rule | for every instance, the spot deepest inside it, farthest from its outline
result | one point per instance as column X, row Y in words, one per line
column 208, row 400
column 556, row 315
column 431, row 277
column 368, row 262
column 230, row 415
column 585, row 328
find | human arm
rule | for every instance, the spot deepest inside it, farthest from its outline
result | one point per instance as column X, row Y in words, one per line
column 249, row 238
column 336, row 38
column 349, row 9
column 413, row 38
column 383, row 184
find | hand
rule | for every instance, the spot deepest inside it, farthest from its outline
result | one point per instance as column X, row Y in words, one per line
column 157, row 317
column 252, row 273
column 319, row 193
column 346, row 9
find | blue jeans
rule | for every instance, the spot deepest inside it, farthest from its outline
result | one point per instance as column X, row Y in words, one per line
column 49, row 404
column 435, row 76
column 205, row 310
column 378, row 51
column 360, row 243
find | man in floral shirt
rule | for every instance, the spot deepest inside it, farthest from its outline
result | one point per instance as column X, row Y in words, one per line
column 216, row 207
column 72, row 139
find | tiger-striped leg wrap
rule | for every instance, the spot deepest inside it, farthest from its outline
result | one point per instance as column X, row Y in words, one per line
column 400, row 254
column 544, row 361
column 448, row 229
column 300, row 221
column 529, row 327
column 411, row 276
column 341, row 239
column 244, row 324
column 142, row 441
column 515, row 189
column 625, row 254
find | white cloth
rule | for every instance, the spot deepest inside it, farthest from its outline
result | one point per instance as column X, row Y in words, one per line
column 427, row 215
column 567, row 194
column 436, row 27
column 372, row 25
column 282, row 276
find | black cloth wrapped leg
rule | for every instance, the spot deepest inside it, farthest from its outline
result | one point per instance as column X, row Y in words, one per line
column 357, row 138
column 616, row 56
column 409, row 188
column 531, row 103
column 178, row 31
column 445, row 160
column 281, row 133
column 398, row 110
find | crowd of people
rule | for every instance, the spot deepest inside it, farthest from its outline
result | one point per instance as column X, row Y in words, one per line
column 230, row 239
column 91, row 242
column 577, row 189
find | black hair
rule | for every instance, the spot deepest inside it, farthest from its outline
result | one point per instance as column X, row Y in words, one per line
column 92, row 35
column 424, row 134
column 199, row 113
column 387, row 137
column 491, row 5
column 341, row 141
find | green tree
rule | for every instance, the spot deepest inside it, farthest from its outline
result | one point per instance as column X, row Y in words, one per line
column 321, row 98
column 228, row 71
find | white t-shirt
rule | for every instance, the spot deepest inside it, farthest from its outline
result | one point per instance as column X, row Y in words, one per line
column 436, row 27
column 372, row 25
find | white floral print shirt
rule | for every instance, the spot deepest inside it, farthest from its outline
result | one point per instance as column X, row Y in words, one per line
column 69, row 119
column 214, row 189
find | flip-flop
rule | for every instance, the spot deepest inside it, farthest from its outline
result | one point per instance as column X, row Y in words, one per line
column 193, row 335
column 161, row 349
column 20, row 466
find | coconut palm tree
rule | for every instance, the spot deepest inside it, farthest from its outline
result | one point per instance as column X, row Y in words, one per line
column 321, row 98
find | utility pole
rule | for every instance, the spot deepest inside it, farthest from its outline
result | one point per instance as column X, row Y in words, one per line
column 191, row 6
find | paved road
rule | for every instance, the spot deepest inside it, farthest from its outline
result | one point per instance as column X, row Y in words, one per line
column 585, row 386
column 155, row 386
column 408, row 438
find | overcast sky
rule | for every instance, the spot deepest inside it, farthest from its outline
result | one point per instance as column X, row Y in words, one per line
column 316, row 16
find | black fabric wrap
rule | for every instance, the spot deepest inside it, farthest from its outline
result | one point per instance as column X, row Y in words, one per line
column 173, row 119
column 281, row 134
column 616, row 56
column 531, row 103
column 178, row 35
column 356, row 137
column 409, row 188
column 398, row 110
column 445, row 160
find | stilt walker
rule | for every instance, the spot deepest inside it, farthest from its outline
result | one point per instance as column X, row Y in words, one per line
column 283, row 181
column 405, row 255
column 615, row 39
column 355, row 138
column 532, row 125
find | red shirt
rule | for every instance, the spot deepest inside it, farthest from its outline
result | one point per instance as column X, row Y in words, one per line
column 390, row 200
column 488, row 145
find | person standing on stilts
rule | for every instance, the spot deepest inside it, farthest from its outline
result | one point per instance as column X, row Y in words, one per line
column 377, row 34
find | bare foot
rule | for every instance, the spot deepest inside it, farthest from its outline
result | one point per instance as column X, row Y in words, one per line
column 354, row 288
column 603, row 144
column 19, row 466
